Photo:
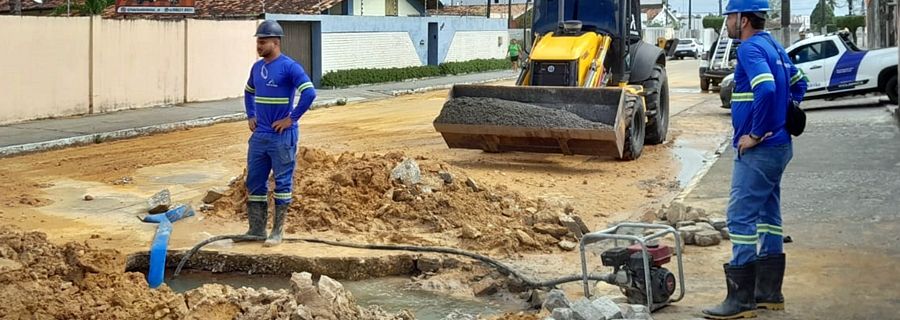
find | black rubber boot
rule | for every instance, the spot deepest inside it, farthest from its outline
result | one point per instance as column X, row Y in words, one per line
column 277, row 226
column 740, row 302
column 769, row 276
column 258, row 216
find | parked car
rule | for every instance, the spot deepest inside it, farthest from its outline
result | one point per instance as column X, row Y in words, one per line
column 688, row 47
column 835, row 67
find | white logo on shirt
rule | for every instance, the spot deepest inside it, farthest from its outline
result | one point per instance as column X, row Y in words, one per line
column 271, row 83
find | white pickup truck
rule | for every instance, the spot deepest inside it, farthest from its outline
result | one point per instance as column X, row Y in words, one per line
column 835, row 67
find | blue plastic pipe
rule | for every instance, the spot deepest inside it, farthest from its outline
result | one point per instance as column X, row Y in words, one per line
column 160, row 244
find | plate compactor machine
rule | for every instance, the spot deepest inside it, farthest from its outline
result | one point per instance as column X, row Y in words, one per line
column 590, row 86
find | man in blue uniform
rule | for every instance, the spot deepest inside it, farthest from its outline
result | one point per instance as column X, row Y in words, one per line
column 269, row 100
column 765, row 80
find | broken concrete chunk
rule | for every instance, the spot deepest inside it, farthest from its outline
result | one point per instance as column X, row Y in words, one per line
column 428, row 264
column 555, row 230
column 160, row 202
column 581, row 224
column 555, row 299
column 567, row 245
column 627, row 311
column 446, row 176
column 570, row 223
column 485, row 287
column 706, row 238
column 468, row 232
column 407, row 172
column 705, row 225
column 687, row 233
column 213, row 195
column 207, row 207
column 718, row 223
column 725, row 234
column 474, row 186
column 562, row 314
column 607, row 308
column 585, row 310
column 526, row 239
column 537, row 299
column 402, row 195
column 682, row 224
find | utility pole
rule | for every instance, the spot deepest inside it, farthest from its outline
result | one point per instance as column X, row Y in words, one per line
column 509, row 14
column 720, row 7
column 786, row 22
column 690, row 16
column 488, row 15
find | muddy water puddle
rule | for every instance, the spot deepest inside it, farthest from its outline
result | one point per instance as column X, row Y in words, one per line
column 390, row 293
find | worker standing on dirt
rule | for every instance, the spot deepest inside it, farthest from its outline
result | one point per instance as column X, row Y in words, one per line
column 269, row 100
column 764, row 81
column 513, row 53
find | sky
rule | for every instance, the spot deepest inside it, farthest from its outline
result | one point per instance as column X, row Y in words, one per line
column 798, row 7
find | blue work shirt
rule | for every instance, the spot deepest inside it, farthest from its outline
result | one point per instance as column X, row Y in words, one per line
column 762, row 87
column 269, row 94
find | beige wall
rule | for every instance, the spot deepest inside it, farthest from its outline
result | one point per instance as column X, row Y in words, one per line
column 44, row 67
column 219, row 55
column 137, row 63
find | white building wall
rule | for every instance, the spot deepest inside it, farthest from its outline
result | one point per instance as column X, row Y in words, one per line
column 341, row 51
column 470, row 45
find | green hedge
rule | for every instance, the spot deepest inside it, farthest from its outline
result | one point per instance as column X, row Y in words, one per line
column 354, row 77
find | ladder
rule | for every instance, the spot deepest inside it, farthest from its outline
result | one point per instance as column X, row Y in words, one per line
column 723, row 49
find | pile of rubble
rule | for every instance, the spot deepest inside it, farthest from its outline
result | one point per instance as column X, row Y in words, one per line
column 394, row 198
column 42, row 280
column 696, row 227
column 598, row 308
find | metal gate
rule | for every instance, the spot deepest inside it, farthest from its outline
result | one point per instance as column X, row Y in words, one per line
column 297, row 43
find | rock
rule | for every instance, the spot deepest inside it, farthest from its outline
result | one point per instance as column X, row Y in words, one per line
column 573, row 226
column 407, row 172
column 332, row 291
column 516, row 285
column 706, row 238
column 555, row 299
column 678, row 212
column 123, row 180
column 160, row 202
column 718, row 223
column 88, row 197
column 468, row 232
column 456, row 315
column 682, row 224
column 402, row 195
column 526, row 239
column 700, row 213
column 661, row 214
column 662, row 222
column 485, row 287
column 627, row 311
column 207, row 207
column 567, row 245
column 537, row 298
column 474, row 186
column 581, row 224
column 446, row 176
column 555, row 230
column 7, row 265
column 213, row 194
column 569, row 209
column 562, row 314
column 608, row 308
column 687, row 233
column 706, row 226
column 342, row 179
column 639, row 308
column 585, row 310
column 429, row 264
column 725, row 234
column 303, row 288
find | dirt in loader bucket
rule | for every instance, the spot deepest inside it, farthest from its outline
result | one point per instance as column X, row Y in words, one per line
column 567, row 120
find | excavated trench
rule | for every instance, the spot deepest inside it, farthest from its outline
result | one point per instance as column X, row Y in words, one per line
column 387, row 281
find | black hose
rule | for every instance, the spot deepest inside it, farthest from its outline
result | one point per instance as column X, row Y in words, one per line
column 503, row 268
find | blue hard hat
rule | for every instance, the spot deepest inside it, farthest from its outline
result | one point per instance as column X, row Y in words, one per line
column 269, row 28
column 744, row 6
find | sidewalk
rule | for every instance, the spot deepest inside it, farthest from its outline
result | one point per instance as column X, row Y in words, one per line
column 40, row 135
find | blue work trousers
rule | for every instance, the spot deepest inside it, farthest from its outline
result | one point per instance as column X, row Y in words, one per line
column 754, row 211
column 276, row 154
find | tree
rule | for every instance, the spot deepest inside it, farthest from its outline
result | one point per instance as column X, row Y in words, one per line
column 713, row 22
column 822, row 15
column 86, row 8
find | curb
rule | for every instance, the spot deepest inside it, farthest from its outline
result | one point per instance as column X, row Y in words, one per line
column 94, row 138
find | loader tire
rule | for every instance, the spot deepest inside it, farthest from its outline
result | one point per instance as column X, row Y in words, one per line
column 656, row 95
column 634, row 133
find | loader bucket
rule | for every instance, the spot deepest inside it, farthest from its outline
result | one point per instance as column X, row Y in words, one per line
column 586, row 121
